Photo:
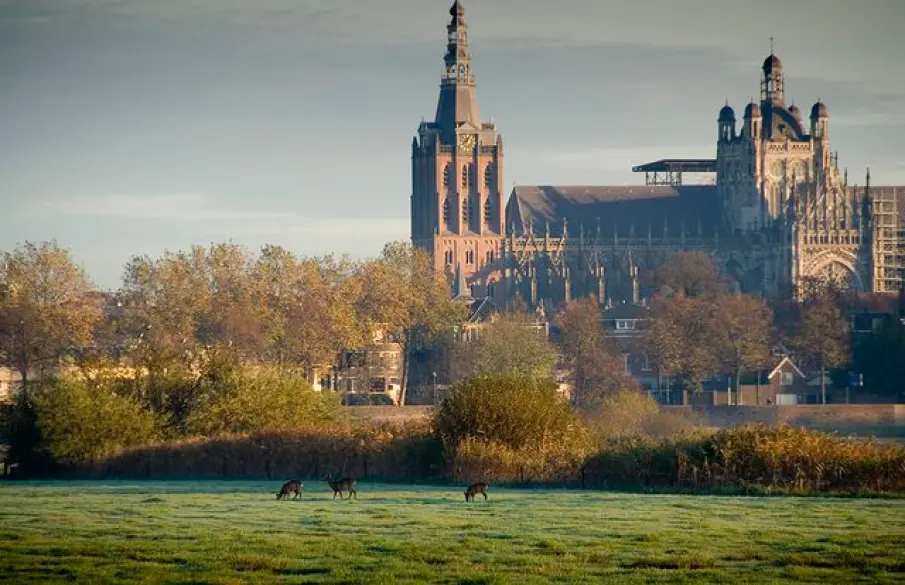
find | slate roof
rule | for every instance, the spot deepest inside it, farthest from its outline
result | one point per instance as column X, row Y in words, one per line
column 615, row 208
column 482, row 310
column 627, row 311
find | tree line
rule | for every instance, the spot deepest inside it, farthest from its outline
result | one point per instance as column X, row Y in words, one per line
column 184, row 313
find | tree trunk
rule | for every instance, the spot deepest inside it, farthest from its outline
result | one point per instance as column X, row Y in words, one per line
column 403, row 386
column 757, row 387
column 822, row 383
column 738, row 388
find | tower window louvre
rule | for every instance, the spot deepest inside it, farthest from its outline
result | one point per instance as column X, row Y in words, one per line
column 488, row 211
column 446, row 211
column 447, row 175
column 488, row 176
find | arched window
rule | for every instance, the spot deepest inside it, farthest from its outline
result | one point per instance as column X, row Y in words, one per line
column 448, row 257
column 446, row 211
column 447, row 175
column 489, row 257
column 469, row 257
column 488, row 176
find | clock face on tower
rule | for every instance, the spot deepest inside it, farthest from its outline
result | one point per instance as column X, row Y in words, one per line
column 466, row 143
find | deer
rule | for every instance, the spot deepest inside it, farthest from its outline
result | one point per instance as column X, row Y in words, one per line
column 293, row 486
column 475, row 489
column 346, row 484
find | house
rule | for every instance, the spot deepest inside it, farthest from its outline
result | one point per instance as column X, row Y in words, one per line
column 781, row 382
column 625, row 325
column 372, row 374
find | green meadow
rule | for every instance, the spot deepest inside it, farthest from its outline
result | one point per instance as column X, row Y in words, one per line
column 236, row 532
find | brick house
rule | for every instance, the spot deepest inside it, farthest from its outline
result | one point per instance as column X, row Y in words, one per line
column 781, row 382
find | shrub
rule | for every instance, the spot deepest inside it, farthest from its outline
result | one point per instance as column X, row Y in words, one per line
column 82, row 423
column 408, row 453
column 514, row 411
column 560, row 462
column 264, row 400
column 20, row 433
column 624, row 413
column 762, row 457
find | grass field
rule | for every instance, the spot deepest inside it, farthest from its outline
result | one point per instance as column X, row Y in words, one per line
column 236, row 532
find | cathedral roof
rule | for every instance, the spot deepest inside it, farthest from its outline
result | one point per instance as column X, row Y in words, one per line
column 783, row 123
column 616, row 210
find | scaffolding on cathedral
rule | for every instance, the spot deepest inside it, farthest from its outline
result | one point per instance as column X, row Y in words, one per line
column 669, row 171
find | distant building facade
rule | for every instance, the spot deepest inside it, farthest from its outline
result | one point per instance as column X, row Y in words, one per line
column 781, row 210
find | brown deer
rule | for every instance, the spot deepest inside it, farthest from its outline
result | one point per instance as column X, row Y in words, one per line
column 293, row 486
column 475, row 489
column 346, row 484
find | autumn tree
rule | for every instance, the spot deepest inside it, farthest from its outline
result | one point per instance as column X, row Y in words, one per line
column 512, row 344
column 682, row 339
column 311, row 304
column 820, row 336
column 164, row 304
column 596, row 371
column 741, row 335
column 234, row 320
column 688, row 273
column 402, row 296
column 46, row 313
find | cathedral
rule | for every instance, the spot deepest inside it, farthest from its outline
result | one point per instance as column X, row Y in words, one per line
column 780, row 211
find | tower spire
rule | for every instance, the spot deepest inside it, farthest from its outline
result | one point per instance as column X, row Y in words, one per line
column 457, row 103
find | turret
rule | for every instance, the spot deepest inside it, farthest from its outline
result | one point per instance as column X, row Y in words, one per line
column 726, row 123
column 772, row 85
column 753, row 120
column 820, row 119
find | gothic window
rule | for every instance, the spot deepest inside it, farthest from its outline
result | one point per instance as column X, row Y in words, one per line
column 447, row 175
column 446, row 211
column 448, row 257
column 488, row 176
column 469, row 257
column 489, row 256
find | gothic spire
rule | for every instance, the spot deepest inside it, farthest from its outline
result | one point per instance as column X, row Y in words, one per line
column 457, row 103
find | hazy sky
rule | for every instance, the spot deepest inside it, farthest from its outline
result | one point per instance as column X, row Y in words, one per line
column 135, row 126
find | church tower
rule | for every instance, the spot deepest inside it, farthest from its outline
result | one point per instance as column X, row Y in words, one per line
column 457, row 175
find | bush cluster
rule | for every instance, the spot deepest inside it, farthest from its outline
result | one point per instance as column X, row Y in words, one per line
column 77, row 422
column 404, row 453
column 763, row 457
column 501, row 429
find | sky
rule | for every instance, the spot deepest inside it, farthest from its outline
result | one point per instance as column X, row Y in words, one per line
column 135, row 127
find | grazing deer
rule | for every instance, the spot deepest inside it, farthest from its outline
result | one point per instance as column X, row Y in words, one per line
column 475, row 489
column 293, row 486
column 346, row 484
